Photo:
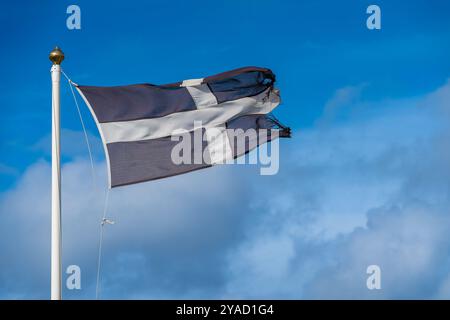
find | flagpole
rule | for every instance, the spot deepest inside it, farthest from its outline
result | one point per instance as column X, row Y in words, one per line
column 56, row 56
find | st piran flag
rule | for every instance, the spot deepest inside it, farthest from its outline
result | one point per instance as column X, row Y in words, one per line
column 137, row 122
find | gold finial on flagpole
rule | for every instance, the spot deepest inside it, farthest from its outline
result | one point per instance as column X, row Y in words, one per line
column 56, row 56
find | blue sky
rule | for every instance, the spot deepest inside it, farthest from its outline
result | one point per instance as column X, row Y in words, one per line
column 364, row 180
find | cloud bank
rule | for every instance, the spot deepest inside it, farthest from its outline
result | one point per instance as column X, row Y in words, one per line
column 367, row 184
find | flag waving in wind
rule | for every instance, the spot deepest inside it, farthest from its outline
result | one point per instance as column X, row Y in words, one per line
column 139, row 123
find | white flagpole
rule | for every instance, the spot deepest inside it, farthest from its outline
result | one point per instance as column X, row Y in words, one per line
column 56, row 56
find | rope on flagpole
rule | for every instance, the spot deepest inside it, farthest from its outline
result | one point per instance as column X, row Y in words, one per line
column 71, row 83
column 100, row 245
column 104, row 220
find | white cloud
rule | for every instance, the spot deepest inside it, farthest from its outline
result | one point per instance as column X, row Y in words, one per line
column 370, row 189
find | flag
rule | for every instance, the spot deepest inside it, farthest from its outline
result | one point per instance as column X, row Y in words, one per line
column 142, row 125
